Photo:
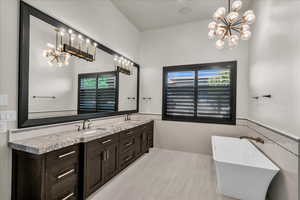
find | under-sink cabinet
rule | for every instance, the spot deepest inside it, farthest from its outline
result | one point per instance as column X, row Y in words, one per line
column 76, row 171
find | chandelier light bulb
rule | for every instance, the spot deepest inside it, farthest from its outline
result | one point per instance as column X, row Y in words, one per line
column 88, row 41
column 220, row 13
column 95, row 44
column 237, row 5
column 212, row 25
column 220, row 32
column 246, row 35
column 249, row 17
column 245, row 27
column 80, row 37
column 233, row 41
column 211, row 34
column 45, row 53
column 233, row 17
column 70, row 31
column 220, row 44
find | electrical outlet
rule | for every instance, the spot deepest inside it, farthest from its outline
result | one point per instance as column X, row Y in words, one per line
column 3, row 100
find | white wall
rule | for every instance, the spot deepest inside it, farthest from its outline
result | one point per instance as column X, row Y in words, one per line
column 185, row 44
column 109, row 25
column 179, row 45
column 275, row 65
column 99, row 19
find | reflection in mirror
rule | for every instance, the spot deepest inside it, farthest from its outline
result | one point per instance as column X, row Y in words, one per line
column 68, row 85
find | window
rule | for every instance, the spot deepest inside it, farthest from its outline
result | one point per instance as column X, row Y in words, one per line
column 200, row 93
column 98, row 92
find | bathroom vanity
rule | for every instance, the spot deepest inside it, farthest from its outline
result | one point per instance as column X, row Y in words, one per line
column 75, row 164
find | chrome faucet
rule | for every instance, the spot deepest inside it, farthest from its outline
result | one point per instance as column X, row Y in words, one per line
column 256, row 139
column 84, row 125
column 127, row 117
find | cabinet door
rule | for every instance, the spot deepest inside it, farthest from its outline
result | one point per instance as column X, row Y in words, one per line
column 144, row 141
column 138, row 144
column 94, row 171
column 110, row 161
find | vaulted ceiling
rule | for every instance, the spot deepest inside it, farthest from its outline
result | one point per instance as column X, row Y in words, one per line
column 154, row 14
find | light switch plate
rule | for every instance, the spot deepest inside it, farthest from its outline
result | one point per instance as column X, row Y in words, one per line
column 3, row 100
column 10, row 115
column 3, row 126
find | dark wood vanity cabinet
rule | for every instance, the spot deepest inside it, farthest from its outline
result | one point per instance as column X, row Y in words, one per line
column 50, row 176
column 75, row 172
column 101, row 162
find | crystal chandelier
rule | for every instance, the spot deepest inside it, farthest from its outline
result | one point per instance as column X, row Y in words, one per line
column 55, row 54
column 229, row 26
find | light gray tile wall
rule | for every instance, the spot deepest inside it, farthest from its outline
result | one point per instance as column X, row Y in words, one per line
column 284, row 152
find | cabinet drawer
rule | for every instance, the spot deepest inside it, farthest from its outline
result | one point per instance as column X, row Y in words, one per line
column 128, row 133
column 102, row 142
column 65, row 191
column 127, row 158
column 67, row 154
column 65, row 172
column 127, row 144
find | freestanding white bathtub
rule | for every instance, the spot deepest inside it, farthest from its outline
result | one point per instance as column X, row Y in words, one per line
column 243, row 172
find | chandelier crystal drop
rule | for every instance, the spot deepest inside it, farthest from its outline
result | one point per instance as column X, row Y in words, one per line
column 229, row 26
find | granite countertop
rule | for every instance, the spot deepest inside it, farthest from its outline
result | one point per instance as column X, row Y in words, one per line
column 54, row 141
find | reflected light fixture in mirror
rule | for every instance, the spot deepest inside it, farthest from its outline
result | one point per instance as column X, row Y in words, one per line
column 123, row 65
column 60, row 53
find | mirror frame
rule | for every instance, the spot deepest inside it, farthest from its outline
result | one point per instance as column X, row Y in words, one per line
column 26, row 11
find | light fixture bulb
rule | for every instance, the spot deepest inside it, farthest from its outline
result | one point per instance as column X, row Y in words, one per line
column 245, row 27
column 80, row 37
column 232, row 17
column 237, row 5
column 211, row 34
column 220, row 32
column 95, row 44
column 220, row 44
column 70, row 31
column 220, row 13
column 246, row 35
column 249, row 17
column 88, row 41
column 212, row 25
column 233, row 41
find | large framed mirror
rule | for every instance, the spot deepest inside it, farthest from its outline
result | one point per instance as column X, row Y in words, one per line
column 65, row 76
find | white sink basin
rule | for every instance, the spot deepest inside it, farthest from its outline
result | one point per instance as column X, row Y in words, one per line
column 93, row 131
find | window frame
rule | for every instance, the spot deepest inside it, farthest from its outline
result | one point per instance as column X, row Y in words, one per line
column 231, row 65
column 96, row 75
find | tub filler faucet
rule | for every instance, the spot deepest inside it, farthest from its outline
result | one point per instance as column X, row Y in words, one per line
column 256, row 139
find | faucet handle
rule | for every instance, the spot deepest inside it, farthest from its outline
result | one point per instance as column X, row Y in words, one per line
column 90, row 125
column 78, row 127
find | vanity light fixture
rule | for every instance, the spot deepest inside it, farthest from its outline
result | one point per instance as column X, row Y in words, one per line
column 230, row 27
column 83, row 46
column 123, row 65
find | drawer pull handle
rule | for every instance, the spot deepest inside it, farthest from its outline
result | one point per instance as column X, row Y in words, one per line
column 67, row 154
column 107, row 141
column 68, row 196
column 128, row 158
column 65, row 174
column 129, row 144
column 129, row 133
